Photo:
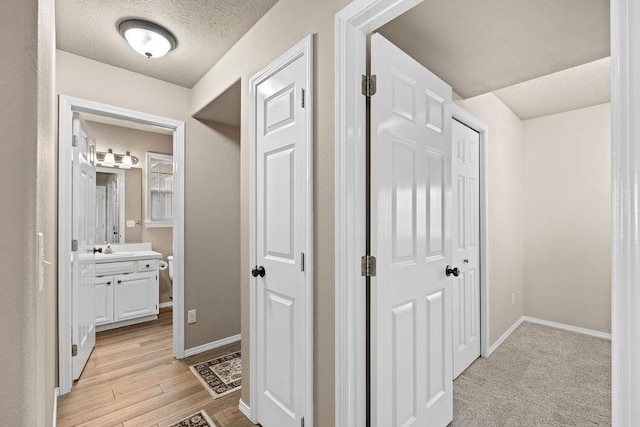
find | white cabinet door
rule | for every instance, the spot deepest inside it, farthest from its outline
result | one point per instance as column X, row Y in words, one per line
column 103, row 297
column 411, row 351
column 135, row 295
column 466, row 244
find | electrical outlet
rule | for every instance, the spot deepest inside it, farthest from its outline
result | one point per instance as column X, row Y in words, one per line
column 191, row 316
column 131, row 223
column 513, row 298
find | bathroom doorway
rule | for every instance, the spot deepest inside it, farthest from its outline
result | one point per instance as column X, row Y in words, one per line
column 142, row 201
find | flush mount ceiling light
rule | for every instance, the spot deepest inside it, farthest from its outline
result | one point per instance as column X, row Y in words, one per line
column 147, row 38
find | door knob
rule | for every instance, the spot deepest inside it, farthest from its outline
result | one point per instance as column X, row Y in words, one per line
column 97, row 250
column 453, row 271
column 258, row 271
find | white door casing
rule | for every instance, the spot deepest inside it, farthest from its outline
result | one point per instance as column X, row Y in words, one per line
column 353, row 23
column 84, row 232
column 411, row 304
column 68, row 106
column 466, row 246
column 281, row 241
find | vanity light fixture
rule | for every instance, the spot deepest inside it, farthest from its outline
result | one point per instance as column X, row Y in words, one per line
column 111, row 159
column 146, row 38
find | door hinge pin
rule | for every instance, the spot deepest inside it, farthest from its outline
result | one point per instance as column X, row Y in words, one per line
column 302, row 97
column 368, row 266
column 74, row 350
column 74, row 141
column 369, row 85
column 301, row 261
column 74, row 245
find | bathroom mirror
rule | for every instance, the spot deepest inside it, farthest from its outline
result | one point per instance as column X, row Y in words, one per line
column 118, row 205
column 110, row 205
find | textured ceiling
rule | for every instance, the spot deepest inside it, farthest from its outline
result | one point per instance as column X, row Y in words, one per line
column 485, row 45
column 205, row 29
column 577, row 87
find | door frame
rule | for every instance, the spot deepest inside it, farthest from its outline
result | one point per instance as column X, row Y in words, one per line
column 302, row 48
column 66, row 107
column 352, row 24
column 464, row 117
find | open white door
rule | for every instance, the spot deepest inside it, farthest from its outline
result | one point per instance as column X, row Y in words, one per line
column 411, row 304
column 283, row 230
column 466, row 246
column 83, row 235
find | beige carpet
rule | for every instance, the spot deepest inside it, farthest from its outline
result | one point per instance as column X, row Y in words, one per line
column 539, row 376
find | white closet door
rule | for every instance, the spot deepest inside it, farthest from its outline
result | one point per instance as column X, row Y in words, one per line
column 466, row 246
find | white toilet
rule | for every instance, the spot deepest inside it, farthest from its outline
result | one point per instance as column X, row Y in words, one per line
column 170, row 259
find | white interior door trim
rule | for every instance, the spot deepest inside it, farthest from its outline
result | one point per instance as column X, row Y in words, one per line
column 467, row 119
column 352, row 24
column 303, row 48
column 625, row 192
column 67, row 106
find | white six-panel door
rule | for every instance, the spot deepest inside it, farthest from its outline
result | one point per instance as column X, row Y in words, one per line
column 411, row 297
column 281, row 183
column 84, row 232
column 466, row 246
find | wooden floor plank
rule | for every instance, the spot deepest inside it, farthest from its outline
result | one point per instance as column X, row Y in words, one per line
column 132, row 379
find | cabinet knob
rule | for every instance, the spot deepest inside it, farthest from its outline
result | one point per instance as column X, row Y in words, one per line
column 147, row 265
column 119, row 281
column 108, row 283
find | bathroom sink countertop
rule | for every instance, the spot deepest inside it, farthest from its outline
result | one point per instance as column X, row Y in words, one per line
column 127, row 256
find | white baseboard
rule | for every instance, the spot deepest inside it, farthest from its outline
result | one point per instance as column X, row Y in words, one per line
column 504, row 336
column 212, row 345
column 246, row 411
column 165, row 304
column 56, row 393
column 549, row 323
column 569, row 328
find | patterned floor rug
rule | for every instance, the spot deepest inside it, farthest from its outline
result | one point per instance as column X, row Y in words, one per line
column 199, row 419
column 221, row 375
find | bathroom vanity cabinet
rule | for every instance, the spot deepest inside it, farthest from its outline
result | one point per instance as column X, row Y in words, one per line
column 126, row 289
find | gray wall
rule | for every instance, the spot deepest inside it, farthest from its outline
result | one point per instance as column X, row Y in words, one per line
column 27, row 364
column 567, row 217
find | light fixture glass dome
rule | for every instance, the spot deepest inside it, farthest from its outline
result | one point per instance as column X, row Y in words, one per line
column 147, row 38
column 127, row 162
column 109, row 159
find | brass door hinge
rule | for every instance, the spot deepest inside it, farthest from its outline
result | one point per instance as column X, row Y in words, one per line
column 74, row 350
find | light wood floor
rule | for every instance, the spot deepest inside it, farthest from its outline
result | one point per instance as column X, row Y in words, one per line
column 132, row 379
